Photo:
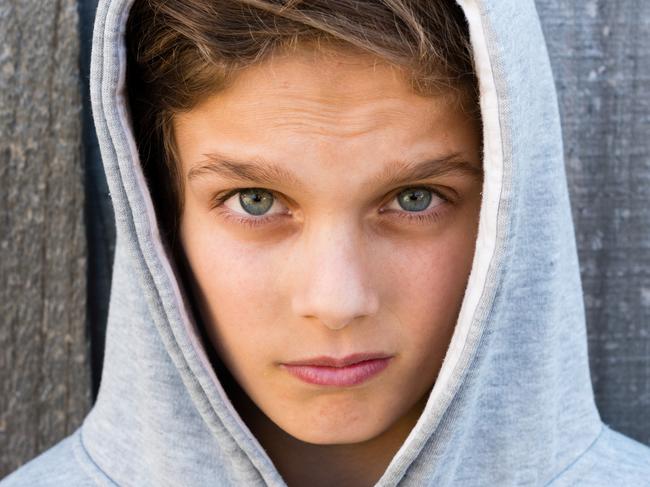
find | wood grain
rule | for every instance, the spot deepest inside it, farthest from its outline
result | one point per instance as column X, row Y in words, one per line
column 44, row 371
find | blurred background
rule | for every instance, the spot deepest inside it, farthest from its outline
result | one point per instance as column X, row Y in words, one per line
column 57, row 233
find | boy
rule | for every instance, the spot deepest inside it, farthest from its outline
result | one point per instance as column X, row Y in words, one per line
column 356, row 280
column 333, row 272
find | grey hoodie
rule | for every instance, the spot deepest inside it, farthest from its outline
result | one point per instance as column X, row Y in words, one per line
column 513, row 402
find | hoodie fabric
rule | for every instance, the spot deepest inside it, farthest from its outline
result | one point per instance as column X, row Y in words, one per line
column 513, row 402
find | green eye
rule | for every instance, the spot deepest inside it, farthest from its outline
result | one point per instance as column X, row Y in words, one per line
column 255, row 201
column 414, row 199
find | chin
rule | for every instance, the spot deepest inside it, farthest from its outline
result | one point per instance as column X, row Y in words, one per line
column 336, row 431
column 342, row 437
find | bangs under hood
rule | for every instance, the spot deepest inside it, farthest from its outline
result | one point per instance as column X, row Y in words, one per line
column 513, row 403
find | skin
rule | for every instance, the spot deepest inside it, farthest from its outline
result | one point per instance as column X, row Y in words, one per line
column 338, row 268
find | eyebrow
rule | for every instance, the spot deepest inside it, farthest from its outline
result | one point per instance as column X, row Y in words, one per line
column 266, row 172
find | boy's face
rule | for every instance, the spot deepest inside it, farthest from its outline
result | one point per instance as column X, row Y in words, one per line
column 344, row 256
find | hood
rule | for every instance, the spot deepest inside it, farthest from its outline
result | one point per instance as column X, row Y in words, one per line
column 513, row 402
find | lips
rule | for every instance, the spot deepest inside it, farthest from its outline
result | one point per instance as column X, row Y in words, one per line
column 340, row 372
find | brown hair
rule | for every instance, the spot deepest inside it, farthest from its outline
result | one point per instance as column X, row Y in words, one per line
column 182, row 51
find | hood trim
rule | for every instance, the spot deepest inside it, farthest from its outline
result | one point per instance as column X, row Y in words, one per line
column 484, row 275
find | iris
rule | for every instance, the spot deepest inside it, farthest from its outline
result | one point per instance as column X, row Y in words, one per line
column 414, row 199
column 255, row 201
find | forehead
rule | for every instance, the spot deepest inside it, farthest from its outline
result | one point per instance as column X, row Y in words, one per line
column 325, row 108
column 325, row 86
column 334, row 77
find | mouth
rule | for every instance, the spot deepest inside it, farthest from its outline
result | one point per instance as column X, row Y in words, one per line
column 339, row 372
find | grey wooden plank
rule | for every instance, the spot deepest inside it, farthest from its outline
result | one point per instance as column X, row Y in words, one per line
column 44, row 370
column 601, row 60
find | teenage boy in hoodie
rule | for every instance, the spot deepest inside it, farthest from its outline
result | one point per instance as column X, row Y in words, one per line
column 336, row 263
column 322, row 192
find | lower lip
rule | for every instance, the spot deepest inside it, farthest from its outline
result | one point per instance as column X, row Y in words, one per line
column 350, row 375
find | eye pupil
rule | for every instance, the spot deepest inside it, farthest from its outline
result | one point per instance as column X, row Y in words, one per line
column 255, row 201
column 415, row 199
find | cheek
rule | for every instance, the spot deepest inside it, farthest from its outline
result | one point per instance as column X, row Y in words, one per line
column 427, row 285
column 222, row 264
column 236, row 286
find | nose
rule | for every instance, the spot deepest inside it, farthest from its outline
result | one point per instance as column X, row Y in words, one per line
column 332, row 284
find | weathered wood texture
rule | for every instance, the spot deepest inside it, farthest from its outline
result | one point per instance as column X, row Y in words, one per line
column 600, row 52
column 44, row 369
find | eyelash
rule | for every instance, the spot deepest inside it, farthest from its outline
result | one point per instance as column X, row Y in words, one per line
column 422, row 217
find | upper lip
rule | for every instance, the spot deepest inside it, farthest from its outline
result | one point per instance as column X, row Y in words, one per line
column 325, row 361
